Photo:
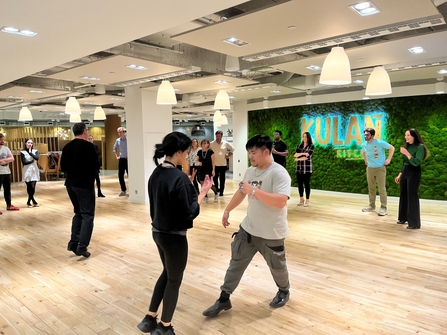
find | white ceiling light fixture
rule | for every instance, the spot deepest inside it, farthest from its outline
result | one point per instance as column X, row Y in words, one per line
column 336, row 68
column 23, row 32
column 232, row 64
column 25, row 114
column 99, row 114
column 365, row 8
column 222, row 100
column 217, row 118
column 378, row 82
column 417, row 50
column 72, row 106
column 166, row 94
column 74, row 118
column 224, row 120
column 440, row 87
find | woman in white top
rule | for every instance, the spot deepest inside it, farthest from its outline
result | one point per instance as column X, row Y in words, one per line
column 30, row 171
column 192, row 159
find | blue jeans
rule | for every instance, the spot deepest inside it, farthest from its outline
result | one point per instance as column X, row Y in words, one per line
column 83, row 200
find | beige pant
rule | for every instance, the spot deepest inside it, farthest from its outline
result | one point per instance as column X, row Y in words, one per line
column 376, row 176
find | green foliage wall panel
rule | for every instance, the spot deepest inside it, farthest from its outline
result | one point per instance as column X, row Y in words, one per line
column 428, row 114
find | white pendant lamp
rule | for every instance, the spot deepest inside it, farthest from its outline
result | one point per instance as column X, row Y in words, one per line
column 224, row 120
column 25, row 114
column 378, row 82
column 217, row 118
column 222, row 100
column 336, row 68
column 166, row 94
column 72, row 106
column 232, row 64
column 74, row 118
column 99, row 114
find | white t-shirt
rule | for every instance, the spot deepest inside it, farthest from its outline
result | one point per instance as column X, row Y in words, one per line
column 266, row 221
column 4, row 152
column 220, row 150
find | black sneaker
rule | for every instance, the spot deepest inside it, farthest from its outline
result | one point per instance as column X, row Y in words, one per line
column 161, row 330
column 148, row 324
column 217, row 308
column 280, row 299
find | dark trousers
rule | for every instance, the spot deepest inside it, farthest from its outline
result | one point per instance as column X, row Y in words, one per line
column 195, row 181
column 98, row 181
column 83, row 200
column 303, row 180
column 219, row 178
column 409, row 208
column 173, row 250
column 122, row 167
column 31, row 190
column 5, row 181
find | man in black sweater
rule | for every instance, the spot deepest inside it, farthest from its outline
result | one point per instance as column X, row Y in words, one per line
column 80, row 162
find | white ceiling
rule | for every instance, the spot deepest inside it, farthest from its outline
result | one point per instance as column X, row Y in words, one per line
column 181, row 35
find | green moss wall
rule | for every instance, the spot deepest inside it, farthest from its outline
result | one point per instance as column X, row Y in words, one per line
column 428, row 114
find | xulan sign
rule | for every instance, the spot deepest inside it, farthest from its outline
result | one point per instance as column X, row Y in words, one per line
column 345, row 134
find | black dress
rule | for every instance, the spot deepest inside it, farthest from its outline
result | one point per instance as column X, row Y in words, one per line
column 207, row 164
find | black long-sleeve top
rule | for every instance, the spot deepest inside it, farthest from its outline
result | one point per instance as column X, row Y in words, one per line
column 35, row 155
column 172, row 199
column 79, row 161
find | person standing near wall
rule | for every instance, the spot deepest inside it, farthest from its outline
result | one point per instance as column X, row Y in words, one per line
column 303, row 158
column 409, row 178
column 6, row 157
column 222, row 150
column 265, row 227
column 98, row 180
column 174, row 204
column 192, row 162
column 374, row 157
column 79, row 161
column 120, row 150
column 280, row 150
column 30, row 171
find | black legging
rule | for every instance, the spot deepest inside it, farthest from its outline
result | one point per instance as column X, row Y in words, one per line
column 98, row 181
column 303, row 180
column 173, row 250
column 31, row 189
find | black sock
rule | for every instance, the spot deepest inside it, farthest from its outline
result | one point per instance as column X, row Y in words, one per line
column 164, row 328
column 285, row 291
column 224, row 297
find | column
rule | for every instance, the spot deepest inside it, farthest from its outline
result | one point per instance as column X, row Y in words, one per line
column 240, row 138
column 147, row 124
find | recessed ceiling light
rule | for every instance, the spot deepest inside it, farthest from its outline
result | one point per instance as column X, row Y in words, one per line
column 231, row 97
column 116, row 99
column 313, row 67
column 136, row 67
column 417, row 50
column 442, row 71
column 37, row 91
column 358, row 81
column 235, row 41
column 291, row 27
column 221, row 82
column 365, row 8
column 23, row 32
column 365, row 98
column 275, row 91
column 89, row 78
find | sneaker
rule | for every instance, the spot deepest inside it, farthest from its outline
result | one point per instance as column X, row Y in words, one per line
column 382, row 211
column 280, row 299
column 148, row 324
column 217, row 308
column 205, row 200
column 12, row 208
column 160, row 330
column 368, row 209
column 216, row 198
column 122, row 194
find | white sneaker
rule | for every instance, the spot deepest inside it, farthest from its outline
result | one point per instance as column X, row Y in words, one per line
column 216, row 197
column 122, row 194
column 382, row 211
column 368, row 209
column 205, row 200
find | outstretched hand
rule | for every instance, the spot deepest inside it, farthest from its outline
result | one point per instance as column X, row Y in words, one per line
column 206, row 185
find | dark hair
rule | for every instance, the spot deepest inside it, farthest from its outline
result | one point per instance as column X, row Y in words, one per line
column 205, row 141
column 1, row 135
column 370, row 130
column 417, row 141
column 24, row 144
column 79, row 128
column 259, row 142
column 172, row 143
column 219, row 132
column 279, row 132
column 309, row 138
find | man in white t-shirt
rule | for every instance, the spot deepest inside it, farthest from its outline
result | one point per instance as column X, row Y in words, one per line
column 265, row 227
column 222, row 150
column 6, row 157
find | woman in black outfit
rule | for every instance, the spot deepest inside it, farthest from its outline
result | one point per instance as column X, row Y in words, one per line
column 207, row 166
column 30, row 171
column 303, row 157
column 409, row 178
column 174, row 204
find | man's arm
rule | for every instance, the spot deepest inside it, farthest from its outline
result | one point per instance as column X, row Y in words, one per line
column 8, row 159
column 238, row 197
column 365, row 157
column 115, row 149
column 390, row 155
column 269, row 199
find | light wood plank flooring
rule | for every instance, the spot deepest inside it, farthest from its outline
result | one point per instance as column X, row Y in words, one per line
column 350, row 272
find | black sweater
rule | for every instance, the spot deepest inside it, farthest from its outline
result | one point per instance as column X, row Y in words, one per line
column 172, row 199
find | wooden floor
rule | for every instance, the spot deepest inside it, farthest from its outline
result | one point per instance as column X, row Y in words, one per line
column 350, row 272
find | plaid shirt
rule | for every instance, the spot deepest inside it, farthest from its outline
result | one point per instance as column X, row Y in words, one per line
column 303, row 167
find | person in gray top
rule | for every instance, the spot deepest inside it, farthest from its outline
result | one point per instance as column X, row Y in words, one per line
column 263, row 230
column 120, row 150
